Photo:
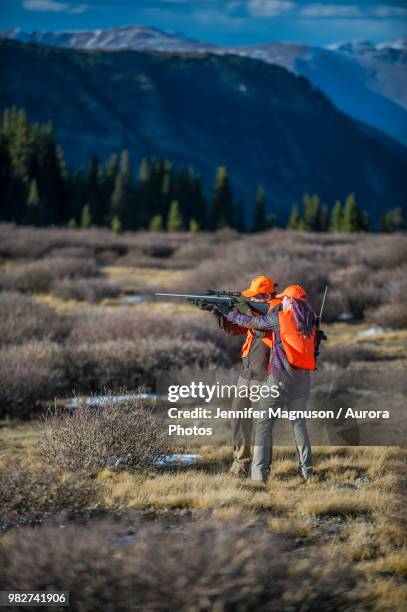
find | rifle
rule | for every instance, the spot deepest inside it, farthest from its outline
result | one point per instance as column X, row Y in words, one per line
column 230, row 298
column 320, row 335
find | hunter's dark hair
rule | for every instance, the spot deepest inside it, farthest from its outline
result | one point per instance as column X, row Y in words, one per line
column 304, row 316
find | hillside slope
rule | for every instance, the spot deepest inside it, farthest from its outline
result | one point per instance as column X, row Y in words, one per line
column 364, row 80
column 265, row 124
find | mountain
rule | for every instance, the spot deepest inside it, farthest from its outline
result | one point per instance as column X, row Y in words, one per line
column 385, row 67
column 365, row 81
column 265, row 124
column 136, row 38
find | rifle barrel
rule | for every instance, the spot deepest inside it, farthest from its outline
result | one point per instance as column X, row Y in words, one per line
column 323, row 303
column 196, row 297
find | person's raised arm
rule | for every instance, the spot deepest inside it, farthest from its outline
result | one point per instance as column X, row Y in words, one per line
column 266, row 322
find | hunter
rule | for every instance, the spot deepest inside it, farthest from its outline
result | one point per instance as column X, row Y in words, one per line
column 292, row 357
column 255, row 355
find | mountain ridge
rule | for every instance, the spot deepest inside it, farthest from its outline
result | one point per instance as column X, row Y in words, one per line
column 365, row 81
column 265, row 124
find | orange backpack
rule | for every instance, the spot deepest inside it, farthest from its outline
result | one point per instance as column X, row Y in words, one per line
column 299, row 349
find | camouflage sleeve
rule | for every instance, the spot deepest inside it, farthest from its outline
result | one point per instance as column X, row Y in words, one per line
column 267, row 322
column 227, row 326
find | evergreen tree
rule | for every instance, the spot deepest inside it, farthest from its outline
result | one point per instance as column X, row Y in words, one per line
column 118, row 198
column 93, row 187
column 108, row 177
column 393, row 221
column 125, row 167
column 123, row 204
column 156, row 224
column 312, row 213
column 33, row 204
column 199, row 204
column 324, row 219
column 259, row 221
column 352, row 221
column 116, row 225
column 182, row 193
column 193, row 226
column 364, row 222
column 144, row 171
column 166, row 182
column 222, row 201
column 294, row 218
column 86, row 217
column 175, row 221
column 33, row 199
column 76, row 194
column 336, row 218
column 271, row 220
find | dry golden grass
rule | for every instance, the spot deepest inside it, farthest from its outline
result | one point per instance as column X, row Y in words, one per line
column 367, row 525
column 19, row 440
column 363, row 524
column 388, row 594
column 59, row 304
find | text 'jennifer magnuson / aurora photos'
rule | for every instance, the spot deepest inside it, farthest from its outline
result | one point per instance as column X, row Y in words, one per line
column 345, row 407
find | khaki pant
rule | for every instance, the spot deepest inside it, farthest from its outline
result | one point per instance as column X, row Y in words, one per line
column 294, row 393
column 242, row 430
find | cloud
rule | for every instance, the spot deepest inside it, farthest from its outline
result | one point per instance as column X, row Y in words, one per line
column 331, row 10
column 269, row 8
column 79, row 9
column 390, row 11
column 45, row 5
column 218, row 18
column 319, row 10
column 51, row 6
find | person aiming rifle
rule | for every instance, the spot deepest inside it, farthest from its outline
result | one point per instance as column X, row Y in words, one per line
column 296, row 338
column 258, row 299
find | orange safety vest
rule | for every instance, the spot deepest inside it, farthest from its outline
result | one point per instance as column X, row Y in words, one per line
column 268, row 338
column 299, row 349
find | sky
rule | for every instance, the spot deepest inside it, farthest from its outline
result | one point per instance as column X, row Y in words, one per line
column 230, row 22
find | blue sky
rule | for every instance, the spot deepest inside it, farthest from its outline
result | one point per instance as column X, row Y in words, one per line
column 235, row 22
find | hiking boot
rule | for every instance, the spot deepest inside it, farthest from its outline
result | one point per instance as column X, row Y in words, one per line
column 306, row 474
column 240, row 469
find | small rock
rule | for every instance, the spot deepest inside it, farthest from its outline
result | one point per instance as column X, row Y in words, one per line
column 361, row 481
column 374, row 331
column 343, row 485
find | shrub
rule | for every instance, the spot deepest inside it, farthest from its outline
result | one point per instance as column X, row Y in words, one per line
column 359, row 298
column 113, row 364
column 343, row 355
column 23, row 319
column 38, row 276
column 389, row 315
column 87, row 290
column 28, row 492
column 125, row 435
column 29, row 373
column 72, row 252
column 36, row 371
column 207, row 566
column 384, row 251
column 96, row 326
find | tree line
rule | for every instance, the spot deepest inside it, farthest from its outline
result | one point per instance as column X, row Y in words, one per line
column 38, row 188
